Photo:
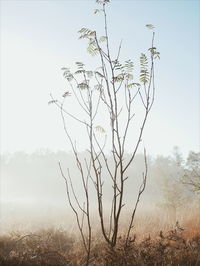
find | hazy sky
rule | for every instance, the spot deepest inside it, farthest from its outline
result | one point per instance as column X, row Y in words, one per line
column 40, row 37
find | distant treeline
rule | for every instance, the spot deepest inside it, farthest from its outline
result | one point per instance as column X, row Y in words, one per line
column 171, row 180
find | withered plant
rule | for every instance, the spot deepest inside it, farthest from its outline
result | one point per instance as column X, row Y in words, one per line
column 113, row 92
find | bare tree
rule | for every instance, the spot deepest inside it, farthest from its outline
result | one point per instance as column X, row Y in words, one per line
column 111, row 91
column 174, row 195
column 191, row 175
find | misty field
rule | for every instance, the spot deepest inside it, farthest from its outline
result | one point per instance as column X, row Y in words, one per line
column 154, row 241
column 38, row 227
column 91, row 173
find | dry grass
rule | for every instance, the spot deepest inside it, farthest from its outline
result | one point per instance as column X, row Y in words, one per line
column 151, row 247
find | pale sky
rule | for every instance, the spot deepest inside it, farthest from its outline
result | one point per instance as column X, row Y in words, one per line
column 40, row 37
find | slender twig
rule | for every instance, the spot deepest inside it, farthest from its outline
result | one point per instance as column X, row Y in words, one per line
column 141, row 190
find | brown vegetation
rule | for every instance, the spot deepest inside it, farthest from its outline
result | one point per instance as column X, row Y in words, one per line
column 56, row 247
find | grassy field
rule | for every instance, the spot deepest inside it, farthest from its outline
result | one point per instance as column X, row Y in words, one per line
column 149, row 245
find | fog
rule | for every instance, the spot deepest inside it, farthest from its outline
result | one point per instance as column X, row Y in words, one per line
column 33, row 191
column 38, row 39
